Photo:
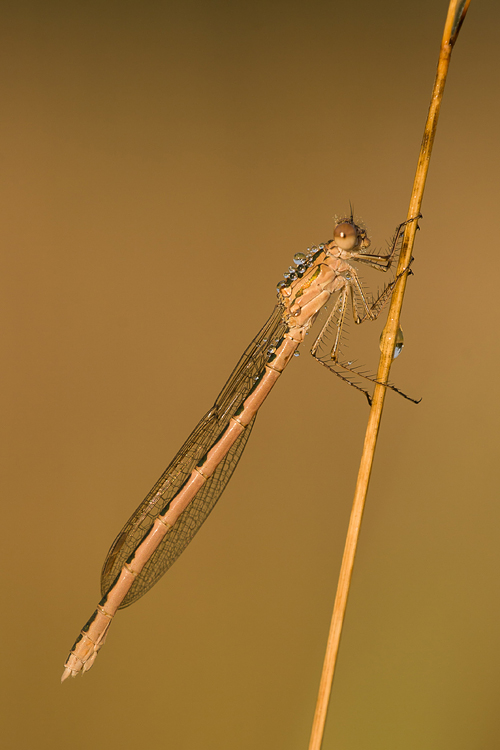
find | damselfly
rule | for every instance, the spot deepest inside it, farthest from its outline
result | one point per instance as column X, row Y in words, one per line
column 171, row 514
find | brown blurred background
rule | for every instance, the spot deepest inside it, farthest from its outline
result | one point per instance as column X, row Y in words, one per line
column 162, row 163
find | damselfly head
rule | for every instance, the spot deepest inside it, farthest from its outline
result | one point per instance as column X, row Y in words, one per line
column 349, row 236
column 346, row 235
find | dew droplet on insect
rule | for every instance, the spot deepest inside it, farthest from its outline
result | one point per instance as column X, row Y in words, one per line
column 296, row 354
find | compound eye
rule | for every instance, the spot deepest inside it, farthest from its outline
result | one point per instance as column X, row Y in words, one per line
column 346, row 236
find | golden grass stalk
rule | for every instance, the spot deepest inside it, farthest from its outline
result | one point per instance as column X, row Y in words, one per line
column 456, row 14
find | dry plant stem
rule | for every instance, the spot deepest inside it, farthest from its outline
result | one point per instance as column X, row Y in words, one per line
column 456, row 14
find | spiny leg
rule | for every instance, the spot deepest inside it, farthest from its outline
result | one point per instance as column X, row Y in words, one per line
column 335, row 363
column 355, row 284
column 384, row 262
column 380, row 263
column 376, row 382
column 331, row 368
column 378, row 304
column 372, row 312
column 340, row 304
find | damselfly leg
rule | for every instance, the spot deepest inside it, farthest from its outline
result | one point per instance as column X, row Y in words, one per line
column 353, row 241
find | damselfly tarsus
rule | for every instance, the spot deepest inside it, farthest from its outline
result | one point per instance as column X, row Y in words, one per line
column 181, row 500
